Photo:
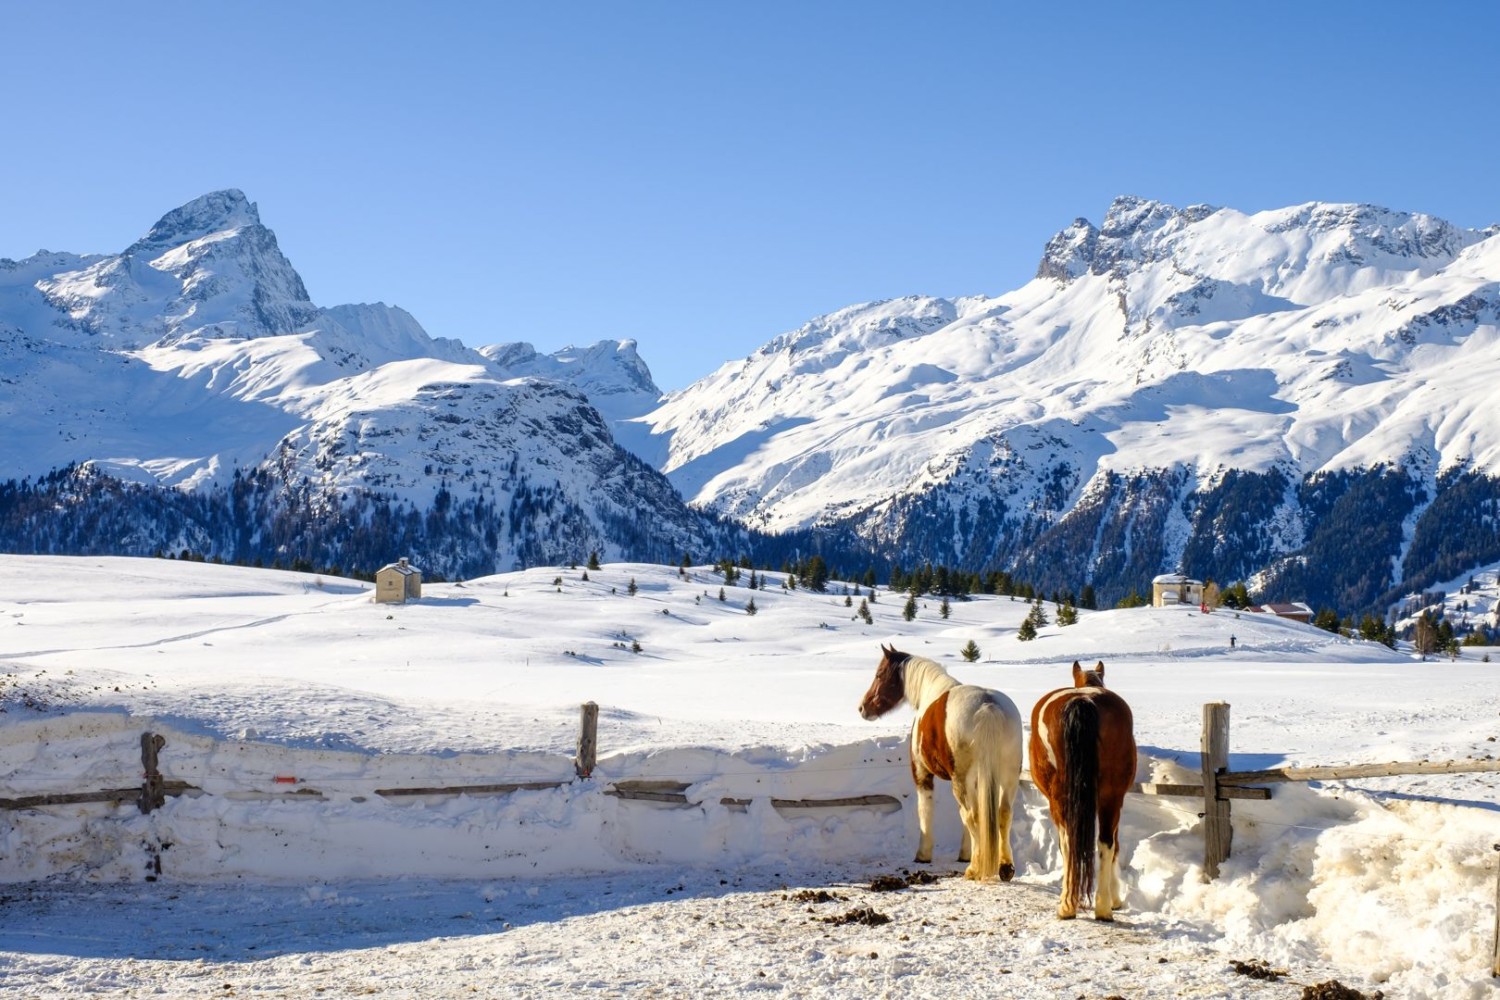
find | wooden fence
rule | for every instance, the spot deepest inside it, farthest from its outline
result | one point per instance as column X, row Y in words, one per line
column 1218, row 788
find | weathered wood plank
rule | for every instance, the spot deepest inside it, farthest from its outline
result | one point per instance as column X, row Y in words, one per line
column 497, row 789
column 1218, row 832
column 673, row 792
column 103, row 795
column 588, row 739
column 1337, row 772
column 1196, row 791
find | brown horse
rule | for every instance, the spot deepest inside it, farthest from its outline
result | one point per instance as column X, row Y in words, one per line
column 1083, row 759
column 965, row 734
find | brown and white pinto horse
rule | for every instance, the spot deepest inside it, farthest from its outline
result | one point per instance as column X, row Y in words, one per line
column 965, row 734
column 1083, row 759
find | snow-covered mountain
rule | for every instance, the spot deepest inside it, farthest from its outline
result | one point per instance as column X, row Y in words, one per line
column 1092, row 425
column 195, row 358
column 1299, row 398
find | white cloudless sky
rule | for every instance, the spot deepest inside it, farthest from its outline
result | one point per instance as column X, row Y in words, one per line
column 701, row 177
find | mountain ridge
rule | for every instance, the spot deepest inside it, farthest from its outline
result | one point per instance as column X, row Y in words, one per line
column 1177, row 388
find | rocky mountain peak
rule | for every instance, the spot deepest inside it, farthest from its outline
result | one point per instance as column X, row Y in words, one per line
column 214, row 212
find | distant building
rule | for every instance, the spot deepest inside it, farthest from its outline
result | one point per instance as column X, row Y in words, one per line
column 1295, row 610
column 1173, row 588
column 397, row 583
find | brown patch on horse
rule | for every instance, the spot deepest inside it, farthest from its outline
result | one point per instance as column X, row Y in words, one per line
column 932, row 737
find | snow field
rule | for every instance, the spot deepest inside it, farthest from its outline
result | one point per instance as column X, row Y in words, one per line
column 253, row 675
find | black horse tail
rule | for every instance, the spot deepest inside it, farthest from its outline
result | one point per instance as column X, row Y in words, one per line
column 1080, row 751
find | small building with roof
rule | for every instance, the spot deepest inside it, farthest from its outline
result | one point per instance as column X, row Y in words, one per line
column 398, row 583
column 1296, row 611
column 1171, row 589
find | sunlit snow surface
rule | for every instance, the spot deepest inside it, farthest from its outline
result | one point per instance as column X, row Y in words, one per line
column 254, row 675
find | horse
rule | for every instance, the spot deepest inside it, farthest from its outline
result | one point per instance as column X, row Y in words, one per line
column 1082, row 753
column 967, row 735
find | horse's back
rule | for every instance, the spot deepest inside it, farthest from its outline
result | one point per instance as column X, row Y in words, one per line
column 1116, row 728
column 983, row 716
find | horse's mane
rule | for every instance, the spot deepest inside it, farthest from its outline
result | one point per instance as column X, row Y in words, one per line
column 923, row 674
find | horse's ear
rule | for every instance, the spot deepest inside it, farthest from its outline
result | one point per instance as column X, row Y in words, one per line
column 1099, row 669
column 1078, row 677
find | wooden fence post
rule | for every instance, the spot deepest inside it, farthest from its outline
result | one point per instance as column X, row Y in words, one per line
column 1495, row 966
column 588, row 739
column 1217, row 831
column 153, row 794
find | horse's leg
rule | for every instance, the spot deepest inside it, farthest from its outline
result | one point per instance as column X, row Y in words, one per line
column 1007, row 860
column 924, row 819
column 1067, row 906
column 1109, row 897
column 965, row 816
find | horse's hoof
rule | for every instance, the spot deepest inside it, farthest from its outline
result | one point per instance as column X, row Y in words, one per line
column 921, row 860
column 1007, row 872
column 1108, row 918
column 1063, row 915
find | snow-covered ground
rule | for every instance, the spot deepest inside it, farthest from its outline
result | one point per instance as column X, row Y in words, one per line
column 254, row 676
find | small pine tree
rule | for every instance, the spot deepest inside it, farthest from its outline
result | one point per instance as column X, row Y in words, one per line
column 848, row 601
column 1327, row 619
column 1027, row 631
column 585, row 576
column 631, row 589
column 1038, row 616
column 1067, row 615
column 750, row 607
column 594, row 560
column 910, row 610
column 721, row 594
column 864, row 612
column 944, row 609
column 970, row 652
column 635, row 645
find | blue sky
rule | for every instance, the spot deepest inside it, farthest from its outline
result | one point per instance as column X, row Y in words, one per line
column 703, row 176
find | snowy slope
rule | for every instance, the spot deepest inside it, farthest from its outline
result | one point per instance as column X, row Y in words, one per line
column 1310, row 338
column 255, row 674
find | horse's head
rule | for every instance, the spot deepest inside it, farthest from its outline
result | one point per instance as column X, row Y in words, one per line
column 888, row 687
column 1088, row 678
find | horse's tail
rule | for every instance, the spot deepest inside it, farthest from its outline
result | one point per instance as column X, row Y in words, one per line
column 1080, row 752
column 989, row 753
